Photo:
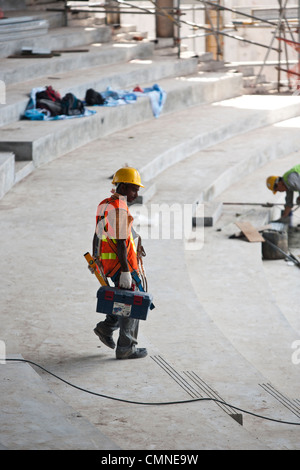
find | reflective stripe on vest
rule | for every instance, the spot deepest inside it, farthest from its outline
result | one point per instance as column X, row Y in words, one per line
column 108, row 256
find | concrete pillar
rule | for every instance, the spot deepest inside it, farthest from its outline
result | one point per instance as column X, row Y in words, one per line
column 164, row 26
column 113, row 18
column 214, row 20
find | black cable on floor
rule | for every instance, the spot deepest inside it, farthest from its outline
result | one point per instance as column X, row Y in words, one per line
column 150, row 403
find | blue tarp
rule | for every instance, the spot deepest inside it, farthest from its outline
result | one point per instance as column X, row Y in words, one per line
column 116, row 98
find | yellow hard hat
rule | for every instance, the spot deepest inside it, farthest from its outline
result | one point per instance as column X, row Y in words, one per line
column 127, row 175
column 271, row 182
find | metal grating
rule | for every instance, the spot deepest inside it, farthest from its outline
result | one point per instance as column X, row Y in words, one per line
column 181, row 381
column 196, row 387
column 291, row 405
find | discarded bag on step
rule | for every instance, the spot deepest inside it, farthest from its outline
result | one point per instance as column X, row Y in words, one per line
column 93, row 97
column 45, row 104
column 71, row 106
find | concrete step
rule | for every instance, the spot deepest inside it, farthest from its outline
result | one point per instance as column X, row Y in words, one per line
column 228, row 280
column 193, row 347
column 283, row 275
column 35, row 140
column 236, row 296
column 55, row 19
column 97, row 69
column 22, row 28
column 18, row 73
column 198, row 137
column 233, row 159
column 211, row 66
column 58, row 38
column 37, row 415
column 176, row 147
column 129, row 36
column 261, row 88
column 35, row 418
column 253, row 81
column 171, row 142
column 203, row 352
column 19, row 70
column 248, row 297
column 22, row 169
column 7, row 172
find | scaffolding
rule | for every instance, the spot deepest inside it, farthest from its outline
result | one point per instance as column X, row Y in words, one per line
column 284, row 20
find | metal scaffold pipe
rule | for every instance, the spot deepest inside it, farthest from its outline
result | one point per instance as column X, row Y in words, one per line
column 221, row 7
column 299, row 28
column 222, row 33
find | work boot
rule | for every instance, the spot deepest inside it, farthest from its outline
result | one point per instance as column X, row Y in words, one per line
column 107, row 340
column 138, row 353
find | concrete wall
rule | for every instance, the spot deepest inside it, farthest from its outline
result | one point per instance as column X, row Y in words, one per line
column 235, row 50
column 12, row 5
column 264, row 34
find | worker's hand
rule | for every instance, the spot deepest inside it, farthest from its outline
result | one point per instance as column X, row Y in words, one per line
column 125, row 281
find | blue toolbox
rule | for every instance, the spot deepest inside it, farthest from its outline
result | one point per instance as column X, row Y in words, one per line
column 125, row 303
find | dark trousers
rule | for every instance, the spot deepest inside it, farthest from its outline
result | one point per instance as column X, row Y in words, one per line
column 128, row 333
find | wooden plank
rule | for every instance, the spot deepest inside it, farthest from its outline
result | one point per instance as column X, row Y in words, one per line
column 32, row 56
column 250, row 232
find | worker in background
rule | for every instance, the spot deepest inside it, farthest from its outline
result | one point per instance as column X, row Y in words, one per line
column 116, row 252
column 288, row 183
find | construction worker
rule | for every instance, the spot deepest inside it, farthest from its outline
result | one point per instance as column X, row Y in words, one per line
column 288, row 183
column 115, row 250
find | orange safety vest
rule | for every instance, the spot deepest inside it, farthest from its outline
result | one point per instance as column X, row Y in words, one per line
column 112, row 224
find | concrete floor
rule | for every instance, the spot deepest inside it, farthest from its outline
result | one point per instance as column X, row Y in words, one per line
column 222, row 370
column 197, row 331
